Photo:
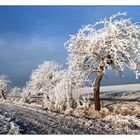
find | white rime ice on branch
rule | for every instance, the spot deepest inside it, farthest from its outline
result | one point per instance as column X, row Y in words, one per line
column 45, row 77
column 42, row 80
column 4, row 83
column 65, row 91
column 16, row 91
column 57, row 85
column 111, row 43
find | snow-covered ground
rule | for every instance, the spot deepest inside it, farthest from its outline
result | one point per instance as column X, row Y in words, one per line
column 121, row 88
column 17, row 119
column 114, row 89
column 117, row 117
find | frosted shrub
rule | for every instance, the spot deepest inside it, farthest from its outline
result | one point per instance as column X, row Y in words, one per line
column 15, row 94
column 44, row 78
column 4, row 83
column 65, row 91
column 59, row 87
column 49, row 100
column 26, row 93
column 123, row 120
column 16, row 91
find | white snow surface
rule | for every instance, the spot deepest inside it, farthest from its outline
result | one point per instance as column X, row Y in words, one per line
column 114, row 89
column 17, row 119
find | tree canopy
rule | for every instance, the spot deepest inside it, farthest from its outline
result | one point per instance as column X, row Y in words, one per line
column 111, row 43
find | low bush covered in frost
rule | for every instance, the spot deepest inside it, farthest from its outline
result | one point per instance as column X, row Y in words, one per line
column 65, row 91
column 124, row 120
column 4, row 85
column 58, row 86
column 16, row 91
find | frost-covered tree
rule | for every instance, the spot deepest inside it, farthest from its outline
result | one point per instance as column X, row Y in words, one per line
column 57, row 85
column 4, row 82
column 44, row 78
column 111, row 43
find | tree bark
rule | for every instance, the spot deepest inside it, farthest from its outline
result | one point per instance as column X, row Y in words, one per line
column 3, row 94
column 96, row 91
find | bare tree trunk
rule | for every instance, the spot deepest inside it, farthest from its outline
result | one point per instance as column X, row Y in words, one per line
column 3, row 94
column 96, row 91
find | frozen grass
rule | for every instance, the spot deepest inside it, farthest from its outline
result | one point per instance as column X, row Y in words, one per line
column 130, row 123
column 123, row 120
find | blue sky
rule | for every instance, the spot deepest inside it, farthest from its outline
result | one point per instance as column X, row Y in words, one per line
column 30, row 35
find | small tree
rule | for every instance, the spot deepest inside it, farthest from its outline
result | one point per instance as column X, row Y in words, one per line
column 112, row 43
column 44, row 78
column 4, row 82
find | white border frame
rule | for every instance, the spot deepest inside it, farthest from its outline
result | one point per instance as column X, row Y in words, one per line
column 69, row 2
